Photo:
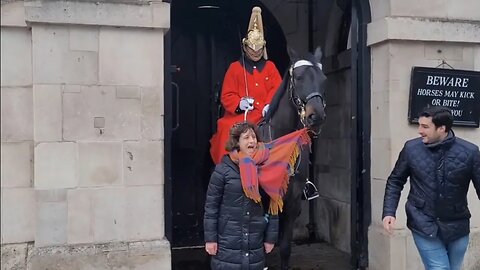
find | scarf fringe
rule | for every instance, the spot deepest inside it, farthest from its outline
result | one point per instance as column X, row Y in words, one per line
column 276, row 204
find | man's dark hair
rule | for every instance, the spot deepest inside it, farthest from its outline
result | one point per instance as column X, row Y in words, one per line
column 441, row 116
column 235, row 132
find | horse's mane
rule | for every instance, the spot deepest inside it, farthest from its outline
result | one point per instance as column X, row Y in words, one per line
column 277, row 97
column 283, row 87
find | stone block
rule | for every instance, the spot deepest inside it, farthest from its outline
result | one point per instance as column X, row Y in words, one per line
column 472, row 260
column 47, row 113
column 381, row 165
column 51, row 195
column 16, row 114
column 152, row 113
column 336, row 81
column 379, row 9
column 122, row 116
column 130, row 56
column 55, row 63
column 400, row 28
column 55, row 165
column 444, row 51
column 377, row 191
column 410, row 8
column 51, row 223
column 474, row 206
column 17, row 215
column 333, row 221
column 380, row 115
column 463, row 10
column 145, row 213
column 338, row 123
column 148, row 14
column 110, row 215
column 335, row 185
column 151, row 255
column 16, row 56
column 378, row 249
column 132, row 92
column 387, row 251
column 84, row 38
column 80, row 216
column 71, row 88
column 380, row 68
column 401, row 66
column 100, row 163
column 143, row 163
column 14, row 256
column 16, row 164
column 476, row 58
column 12, row 14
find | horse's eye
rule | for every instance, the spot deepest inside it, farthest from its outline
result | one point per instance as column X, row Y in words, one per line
column 299, row 78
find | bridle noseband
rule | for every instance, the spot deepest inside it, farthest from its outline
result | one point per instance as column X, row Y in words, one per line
column 297, row 101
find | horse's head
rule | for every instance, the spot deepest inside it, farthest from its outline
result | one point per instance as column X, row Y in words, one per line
column 307, row 88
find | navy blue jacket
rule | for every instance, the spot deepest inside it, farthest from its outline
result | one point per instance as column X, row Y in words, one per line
column 235, row 222
column 439, row 179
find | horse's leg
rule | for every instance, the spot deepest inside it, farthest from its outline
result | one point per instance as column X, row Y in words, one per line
column 292, row 209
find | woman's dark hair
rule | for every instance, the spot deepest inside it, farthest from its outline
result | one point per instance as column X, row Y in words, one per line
column 441, row 116
column 237, row 130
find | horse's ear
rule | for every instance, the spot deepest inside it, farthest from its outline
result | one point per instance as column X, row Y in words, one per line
column 292, row 53
column 318, row 54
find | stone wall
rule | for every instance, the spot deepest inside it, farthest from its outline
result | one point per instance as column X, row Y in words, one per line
column 405, row 34
column 82, row 134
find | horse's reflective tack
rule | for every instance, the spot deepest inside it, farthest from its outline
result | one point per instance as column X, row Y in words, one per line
column 300, row 63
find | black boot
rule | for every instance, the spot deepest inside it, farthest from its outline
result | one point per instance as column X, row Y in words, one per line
column 310, row 191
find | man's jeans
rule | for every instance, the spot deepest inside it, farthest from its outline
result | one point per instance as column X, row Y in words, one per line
column 437, row 255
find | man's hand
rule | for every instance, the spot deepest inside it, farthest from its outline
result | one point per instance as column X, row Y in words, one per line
column 268, row 247
column 211, row 248
column 389, row 223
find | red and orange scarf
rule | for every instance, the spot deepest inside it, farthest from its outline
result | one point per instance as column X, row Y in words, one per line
column 271, row 167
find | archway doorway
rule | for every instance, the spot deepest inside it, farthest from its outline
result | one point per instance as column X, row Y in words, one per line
column 204, row 39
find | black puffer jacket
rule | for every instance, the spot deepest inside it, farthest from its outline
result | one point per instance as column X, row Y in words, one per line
column 439, row 178
column 235, row 222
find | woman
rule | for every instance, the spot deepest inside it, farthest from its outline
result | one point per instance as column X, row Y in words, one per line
column 238, row 233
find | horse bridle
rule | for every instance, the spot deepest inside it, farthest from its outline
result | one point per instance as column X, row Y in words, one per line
column 297, row 101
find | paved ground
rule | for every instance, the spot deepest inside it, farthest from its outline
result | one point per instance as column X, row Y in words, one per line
column 318, row 256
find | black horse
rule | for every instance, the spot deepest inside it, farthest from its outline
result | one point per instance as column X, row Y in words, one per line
column 299, row 102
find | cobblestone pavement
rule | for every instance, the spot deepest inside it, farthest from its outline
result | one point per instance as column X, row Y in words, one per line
column 318, row 256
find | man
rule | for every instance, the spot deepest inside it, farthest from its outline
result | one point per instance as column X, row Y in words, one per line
column 440, row 167
column 249, row 85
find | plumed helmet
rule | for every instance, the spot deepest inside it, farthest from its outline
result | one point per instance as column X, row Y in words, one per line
column 255, row 38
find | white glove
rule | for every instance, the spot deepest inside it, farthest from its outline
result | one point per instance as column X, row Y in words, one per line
column 246, row 104
column 265, row 110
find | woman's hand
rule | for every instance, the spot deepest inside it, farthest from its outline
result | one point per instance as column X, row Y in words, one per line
column 211, row 248
column 268, row 247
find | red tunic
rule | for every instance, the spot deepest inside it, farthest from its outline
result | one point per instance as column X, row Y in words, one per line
column 263, row 81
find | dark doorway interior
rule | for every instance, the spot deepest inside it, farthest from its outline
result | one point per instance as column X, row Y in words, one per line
column 204, row 39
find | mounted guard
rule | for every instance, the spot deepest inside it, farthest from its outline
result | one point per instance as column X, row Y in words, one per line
column 248, row 86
